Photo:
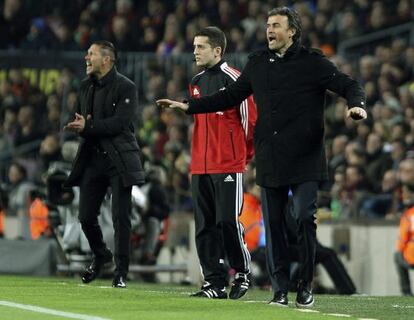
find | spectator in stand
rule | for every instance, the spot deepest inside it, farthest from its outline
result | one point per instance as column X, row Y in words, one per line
column 149, row 40
column 398, row 153
column 378, row 17
column 64, row 39
column 354, row 192
column 172, row 43
column 381, row 204
column 338, row 153
column 50, row 151
column 38, row 37
column 19, row 198
column 121, row 34
column 27, row 129
column 404, row 13
column 14, row 23
column 378, row 162
column 406, row 172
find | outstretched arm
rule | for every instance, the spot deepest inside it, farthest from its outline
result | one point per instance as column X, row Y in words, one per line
column 167, row 103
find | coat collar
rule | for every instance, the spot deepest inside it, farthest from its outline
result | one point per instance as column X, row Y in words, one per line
column 290, row 52
column 108, row 78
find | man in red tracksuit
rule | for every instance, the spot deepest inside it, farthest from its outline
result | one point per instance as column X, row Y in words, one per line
column 222, row 145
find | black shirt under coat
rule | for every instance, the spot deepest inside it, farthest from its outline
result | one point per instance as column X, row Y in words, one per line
column 290, row 96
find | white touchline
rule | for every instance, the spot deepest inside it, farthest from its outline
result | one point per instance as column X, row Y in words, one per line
column 50, row 311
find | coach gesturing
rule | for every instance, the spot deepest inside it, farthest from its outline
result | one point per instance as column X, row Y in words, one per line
column 289, row 83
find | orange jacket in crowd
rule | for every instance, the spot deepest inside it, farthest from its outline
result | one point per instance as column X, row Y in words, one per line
column 405, row 243
column 251, row 219
column 2, row 215
column 39, row 224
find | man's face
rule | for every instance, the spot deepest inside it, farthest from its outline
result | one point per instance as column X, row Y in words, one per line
column 94, row 61
column 205, row 55
column 279, row 36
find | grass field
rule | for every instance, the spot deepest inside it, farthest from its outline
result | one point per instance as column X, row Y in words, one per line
column 23, row 298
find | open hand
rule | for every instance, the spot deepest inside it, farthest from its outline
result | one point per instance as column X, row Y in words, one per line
column 77, row 125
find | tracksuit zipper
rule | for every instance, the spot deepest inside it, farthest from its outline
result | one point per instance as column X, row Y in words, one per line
column 205, row 154
column 232, row 144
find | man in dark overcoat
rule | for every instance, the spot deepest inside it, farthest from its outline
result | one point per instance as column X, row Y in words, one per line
column 289, row 83
column 108, row 156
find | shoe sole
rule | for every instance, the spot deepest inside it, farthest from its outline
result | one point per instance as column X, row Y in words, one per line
column 278, row 304
column 305, row 306
column 205, row 296
column 235, row 297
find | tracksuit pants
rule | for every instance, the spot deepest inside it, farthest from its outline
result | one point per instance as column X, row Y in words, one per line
column 218, row 202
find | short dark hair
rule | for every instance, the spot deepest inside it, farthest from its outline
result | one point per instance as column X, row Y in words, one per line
column 107, row 48
column 216, row 37
column 293, row 19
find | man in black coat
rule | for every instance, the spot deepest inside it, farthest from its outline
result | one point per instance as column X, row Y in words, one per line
column 289, row 83
column 107, row 157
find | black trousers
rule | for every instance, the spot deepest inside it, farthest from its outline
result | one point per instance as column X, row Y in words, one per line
column 97, row 177
column 218, row 202
column 333, row 266
column 274, row 201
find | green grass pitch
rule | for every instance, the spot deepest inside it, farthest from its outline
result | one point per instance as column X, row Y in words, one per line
column 25, row 298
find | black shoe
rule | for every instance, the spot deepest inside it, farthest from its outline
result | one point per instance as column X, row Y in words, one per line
column 119, row 282
column 94, row 269
column 304, row 297
column 210, row 292
column 280, row 299
column 239, row 286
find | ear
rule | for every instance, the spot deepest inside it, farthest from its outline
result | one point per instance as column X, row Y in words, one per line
column 107, row 59
column 291, row 32
column 217, row 51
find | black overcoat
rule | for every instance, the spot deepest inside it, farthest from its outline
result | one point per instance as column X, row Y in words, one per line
column 112, row 128
column 289, row 92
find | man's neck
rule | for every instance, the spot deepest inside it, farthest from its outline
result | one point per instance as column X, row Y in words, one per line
column 213, row 63
column 103, row 73
column 282, row 51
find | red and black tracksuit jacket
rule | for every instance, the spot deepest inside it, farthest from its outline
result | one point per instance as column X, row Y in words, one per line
column 220, row 144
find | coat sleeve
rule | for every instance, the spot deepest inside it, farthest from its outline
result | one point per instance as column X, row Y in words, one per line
column 226, row 99
column 125, row 111
column 248, row 114
column 332, row 79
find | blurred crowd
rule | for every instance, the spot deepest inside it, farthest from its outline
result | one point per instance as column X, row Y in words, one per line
column 168, row 26
column 368, row 161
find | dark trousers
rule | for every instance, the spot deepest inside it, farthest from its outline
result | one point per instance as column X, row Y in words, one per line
column 218, row 201
column 274, row 202
column 97, row 177
column 402, row 268
column 333, row 266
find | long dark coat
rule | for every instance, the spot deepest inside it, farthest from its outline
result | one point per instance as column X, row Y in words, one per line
column 290, row 96
column 111, row 127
